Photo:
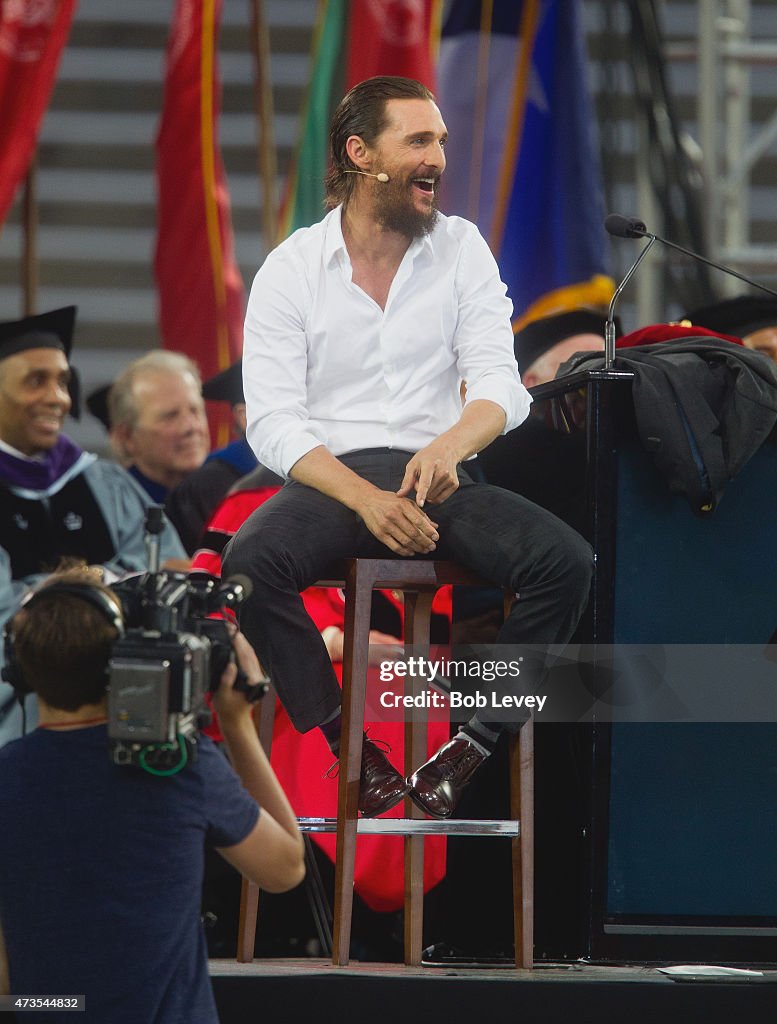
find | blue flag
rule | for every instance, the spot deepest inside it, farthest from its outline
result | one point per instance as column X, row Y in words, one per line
column 523, row 160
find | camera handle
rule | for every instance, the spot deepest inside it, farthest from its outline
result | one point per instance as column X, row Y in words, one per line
column 252, row 692
column 154, row 524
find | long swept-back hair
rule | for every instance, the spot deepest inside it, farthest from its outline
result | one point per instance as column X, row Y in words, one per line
column 362, row 112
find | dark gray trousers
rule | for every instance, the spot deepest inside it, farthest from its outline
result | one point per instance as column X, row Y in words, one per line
column 289, row 541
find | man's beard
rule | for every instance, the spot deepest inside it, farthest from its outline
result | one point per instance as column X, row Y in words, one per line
column 396, row 211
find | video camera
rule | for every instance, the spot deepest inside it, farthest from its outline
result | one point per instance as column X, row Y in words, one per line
column 173, row 651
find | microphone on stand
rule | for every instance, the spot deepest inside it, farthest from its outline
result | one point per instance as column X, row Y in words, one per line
column 624, row 227
column 632, row 227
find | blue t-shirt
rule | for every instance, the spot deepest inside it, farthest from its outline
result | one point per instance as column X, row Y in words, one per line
column 101, row 874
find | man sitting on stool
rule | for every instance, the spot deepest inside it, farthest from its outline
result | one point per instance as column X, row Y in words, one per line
column 359, row 333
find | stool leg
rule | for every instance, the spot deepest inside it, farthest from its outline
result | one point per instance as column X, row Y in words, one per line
column 418, row 611
column 358, row 601
column 522, row 810
column 267, row 719
column 249, row 891
column 246, row 928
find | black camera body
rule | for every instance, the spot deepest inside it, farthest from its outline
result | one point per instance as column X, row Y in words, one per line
column 175, row 647
column 154, row 692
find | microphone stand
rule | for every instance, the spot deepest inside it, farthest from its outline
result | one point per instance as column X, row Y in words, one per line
column 631, row 227
column 609, row 327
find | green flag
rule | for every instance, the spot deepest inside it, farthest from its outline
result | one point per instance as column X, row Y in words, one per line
column 304, row 201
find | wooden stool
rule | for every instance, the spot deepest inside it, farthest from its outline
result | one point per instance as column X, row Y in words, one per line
column 419, row 580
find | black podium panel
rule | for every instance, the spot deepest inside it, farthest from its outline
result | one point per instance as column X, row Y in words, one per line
column 680, row 578
column 686, row 870
column 680, row 837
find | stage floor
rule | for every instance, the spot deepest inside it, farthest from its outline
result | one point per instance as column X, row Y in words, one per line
column 298, row 990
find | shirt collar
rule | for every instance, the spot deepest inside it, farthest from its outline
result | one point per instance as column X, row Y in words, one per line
column 37, row 479
column 422, row 244
column 334, row 243
column 40, row 457
column 156, row 491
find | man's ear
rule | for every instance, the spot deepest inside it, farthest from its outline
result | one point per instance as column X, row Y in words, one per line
column 239, row 417
column 530, row 379
column 122, row 442
column 356, row 150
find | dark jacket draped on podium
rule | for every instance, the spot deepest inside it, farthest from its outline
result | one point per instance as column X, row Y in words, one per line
column 703, row 407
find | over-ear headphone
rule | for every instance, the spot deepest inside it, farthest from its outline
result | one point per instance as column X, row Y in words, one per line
column 12, row 670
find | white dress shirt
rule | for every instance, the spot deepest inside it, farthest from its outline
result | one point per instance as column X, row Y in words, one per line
column 324, row 364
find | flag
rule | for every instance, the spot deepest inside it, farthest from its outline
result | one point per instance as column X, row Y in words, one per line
column 32, row 36
column 200, row 291
column 367, row 37
column 393, row 37
column 523, row 159
column 303, row 202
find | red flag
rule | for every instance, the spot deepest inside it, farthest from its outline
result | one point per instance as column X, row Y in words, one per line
column 201, row 294
column 393, row 37
column 32, row 37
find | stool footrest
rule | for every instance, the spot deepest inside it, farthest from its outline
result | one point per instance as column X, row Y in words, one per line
column 508, row 828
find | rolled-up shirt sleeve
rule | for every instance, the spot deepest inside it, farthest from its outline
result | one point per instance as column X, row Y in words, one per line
column 275, row 366
column 483, row 340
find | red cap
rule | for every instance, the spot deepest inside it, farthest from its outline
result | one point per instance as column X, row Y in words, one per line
column 654, row 333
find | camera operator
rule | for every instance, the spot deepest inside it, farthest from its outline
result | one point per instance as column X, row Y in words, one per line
column 101, row 865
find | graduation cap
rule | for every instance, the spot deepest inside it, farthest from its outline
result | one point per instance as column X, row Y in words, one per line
column 97, row 404
column 226, row 386
column 741, row 316
column 538, row 336
column 44, row 330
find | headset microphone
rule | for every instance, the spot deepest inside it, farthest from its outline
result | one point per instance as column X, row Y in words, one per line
column 382, row 176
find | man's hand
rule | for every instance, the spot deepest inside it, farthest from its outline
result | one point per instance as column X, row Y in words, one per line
column 431, row 473
column 230, row 704
column 398, row 523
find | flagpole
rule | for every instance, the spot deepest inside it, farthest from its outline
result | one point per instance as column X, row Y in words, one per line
column 263, row 102
column 30, row 239
column 481, row 104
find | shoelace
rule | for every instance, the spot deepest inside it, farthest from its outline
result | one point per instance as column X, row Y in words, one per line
column 368, row 756
column 455, row 768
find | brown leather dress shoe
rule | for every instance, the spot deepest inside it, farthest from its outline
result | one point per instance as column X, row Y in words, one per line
column 381, row 785
column 437, row 785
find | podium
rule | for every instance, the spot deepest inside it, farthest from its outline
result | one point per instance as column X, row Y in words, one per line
column 676, row 838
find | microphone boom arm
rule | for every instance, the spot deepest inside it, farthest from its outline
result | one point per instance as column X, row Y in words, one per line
column 710, row 263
